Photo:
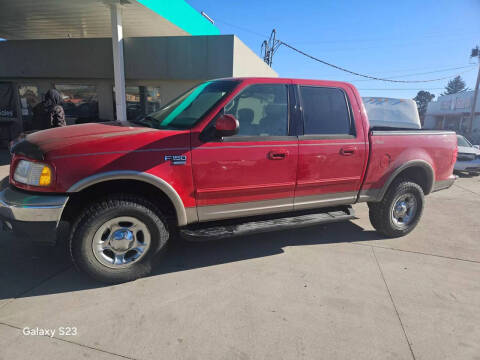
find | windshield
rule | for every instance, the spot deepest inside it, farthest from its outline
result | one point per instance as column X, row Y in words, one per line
column 187, row 109
column 463, row 142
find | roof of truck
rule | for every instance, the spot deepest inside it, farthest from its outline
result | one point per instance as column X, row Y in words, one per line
column 294, row 80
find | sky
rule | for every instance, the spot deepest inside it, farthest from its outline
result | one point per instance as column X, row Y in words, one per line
column 402, row 40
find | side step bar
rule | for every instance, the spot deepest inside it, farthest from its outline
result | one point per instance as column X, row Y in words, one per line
column 205, row 232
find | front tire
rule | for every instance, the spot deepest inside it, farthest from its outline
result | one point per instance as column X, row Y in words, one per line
column 116, row 239
column 399, row 211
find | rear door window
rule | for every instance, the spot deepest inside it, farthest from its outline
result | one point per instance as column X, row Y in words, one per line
column 325, row 111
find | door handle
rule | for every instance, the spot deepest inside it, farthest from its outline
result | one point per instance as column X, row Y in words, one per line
column 277, row 154
column 348, row 150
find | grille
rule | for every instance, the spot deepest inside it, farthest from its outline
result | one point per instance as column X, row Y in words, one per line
column 465, row 157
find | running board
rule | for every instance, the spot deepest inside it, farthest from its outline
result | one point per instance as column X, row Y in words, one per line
column 204, row 232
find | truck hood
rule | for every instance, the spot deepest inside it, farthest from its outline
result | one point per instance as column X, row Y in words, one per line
column 79, row 138
column 468, row 150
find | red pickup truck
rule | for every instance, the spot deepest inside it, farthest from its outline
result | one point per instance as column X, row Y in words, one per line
column 228, row 157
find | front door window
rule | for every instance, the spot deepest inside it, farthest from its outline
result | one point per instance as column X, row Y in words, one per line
column 261, row 110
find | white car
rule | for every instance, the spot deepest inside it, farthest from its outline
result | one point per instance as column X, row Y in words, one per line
column 468, row 158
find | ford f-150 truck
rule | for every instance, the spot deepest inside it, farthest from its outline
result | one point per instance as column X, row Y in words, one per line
column 228, row 157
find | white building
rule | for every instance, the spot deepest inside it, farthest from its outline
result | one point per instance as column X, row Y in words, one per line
column 452, row 112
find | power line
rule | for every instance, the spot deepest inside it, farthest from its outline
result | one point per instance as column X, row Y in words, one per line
column 356, row 73
column 270, row 47
column 390, row 39
column 263, row 36
column 269, row 59
column 348, row 40
column 343, row 46
column 448, row 77
column 421, row 68
column 470, row 67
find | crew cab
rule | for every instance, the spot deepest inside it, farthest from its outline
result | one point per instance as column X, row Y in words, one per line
column 228, row 157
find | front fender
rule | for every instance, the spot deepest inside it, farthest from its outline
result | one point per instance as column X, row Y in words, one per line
column 184, row 215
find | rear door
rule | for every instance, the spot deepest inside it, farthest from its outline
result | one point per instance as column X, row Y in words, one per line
column 332, row 149
column 253, row 172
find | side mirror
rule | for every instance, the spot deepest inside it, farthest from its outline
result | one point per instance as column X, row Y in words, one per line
column 476, row 147
column 226, row 125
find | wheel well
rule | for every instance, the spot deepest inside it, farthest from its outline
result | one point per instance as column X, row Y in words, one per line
column 419, row 175
column 79, row 200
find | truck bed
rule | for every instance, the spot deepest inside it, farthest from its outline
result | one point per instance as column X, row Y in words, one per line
column 392, row 151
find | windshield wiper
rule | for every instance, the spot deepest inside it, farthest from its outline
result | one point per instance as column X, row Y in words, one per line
column 145, row 121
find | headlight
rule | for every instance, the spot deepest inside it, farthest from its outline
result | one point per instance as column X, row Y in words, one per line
column 465, row 157
column 31, row 173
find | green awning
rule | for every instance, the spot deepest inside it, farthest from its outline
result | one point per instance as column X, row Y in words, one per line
column 182, row 15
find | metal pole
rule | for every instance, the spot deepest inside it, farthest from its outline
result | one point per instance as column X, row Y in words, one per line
column 475, row 95
column 118, row 65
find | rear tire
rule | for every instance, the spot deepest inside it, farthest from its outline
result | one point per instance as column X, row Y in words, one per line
column 400, row 209
column 116, row 239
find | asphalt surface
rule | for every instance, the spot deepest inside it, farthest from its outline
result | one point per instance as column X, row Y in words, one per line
column 338, row 291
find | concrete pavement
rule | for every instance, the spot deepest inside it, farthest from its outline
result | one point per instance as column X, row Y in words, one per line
column 338, row 291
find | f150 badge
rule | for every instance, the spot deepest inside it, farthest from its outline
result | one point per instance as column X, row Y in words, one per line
column 176, row 159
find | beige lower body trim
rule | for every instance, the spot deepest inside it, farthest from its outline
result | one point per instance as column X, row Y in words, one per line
column 229, row 211
column 324, row 200
column 191, row 214
column 265, row 207
column 369, row 195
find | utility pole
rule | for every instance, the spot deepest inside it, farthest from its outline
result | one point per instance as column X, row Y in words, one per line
column 269, row 47
column 475, row 53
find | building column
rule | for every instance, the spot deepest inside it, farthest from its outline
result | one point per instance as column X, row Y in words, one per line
column 105, row 100
column 118, row 66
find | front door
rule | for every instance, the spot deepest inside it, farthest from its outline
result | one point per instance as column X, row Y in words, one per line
column 253, row 172
column 332, row 149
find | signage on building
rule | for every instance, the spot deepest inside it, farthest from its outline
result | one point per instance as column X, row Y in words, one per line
column 460, row 102
column 463, row 102
column 8, row 106
column 446, row 104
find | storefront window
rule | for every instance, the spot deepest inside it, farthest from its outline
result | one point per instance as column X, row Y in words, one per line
column 29, row 97
column 8, row 112
column 80, row 103
column 465, row 125
column 452, row 123
column 141, row 100
column 438, row 122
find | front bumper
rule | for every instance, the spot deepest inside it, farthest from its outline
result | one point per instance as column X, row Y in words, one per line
column 30, row 215
column 473, row 166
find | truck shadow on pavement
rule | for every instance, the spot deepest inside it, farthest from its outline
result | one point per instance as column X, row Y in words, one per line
column 28, row 271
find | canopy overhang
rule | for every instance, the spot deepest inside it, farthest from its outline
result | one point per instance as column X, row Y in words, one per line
column 60, row 19
column 57, row 19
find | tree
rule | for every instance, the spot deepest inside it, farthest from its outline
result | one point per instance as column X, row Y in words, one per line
column 422, row 99
column 454, row 86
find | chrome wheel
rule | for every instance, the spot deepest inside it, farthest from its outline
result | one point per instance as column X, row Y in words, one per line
column 121, row 242
column 404, row 210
